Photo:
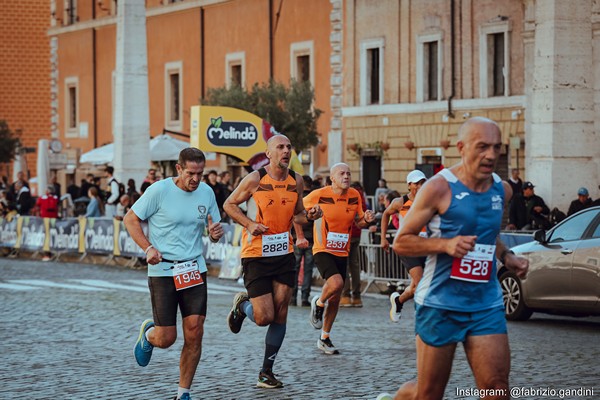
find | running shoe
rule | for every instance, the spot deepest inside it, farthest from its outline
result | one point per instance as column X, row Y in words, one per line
column 235, row 318
column 267, row 380
column 185, row 396
column 396, row 309
column 316, row 313
column 385, row 396
column 143, row 348
column 326, row 346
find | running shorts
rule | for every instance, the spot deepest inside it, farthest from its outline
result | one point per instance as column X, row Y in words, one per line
column 165, row 299
column 411, row 262
column 438, row 327
column 260, row 272
column 329, row 265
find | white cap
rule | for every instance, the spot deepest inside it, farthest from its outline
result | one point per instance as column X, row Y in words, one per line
column 415, row 176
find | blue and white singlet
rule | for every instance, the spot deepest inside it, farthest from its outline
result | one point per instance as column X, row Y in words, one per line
column 468, row 284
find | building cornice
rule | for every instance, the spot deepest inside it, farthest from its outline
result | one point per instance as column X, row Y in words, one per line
column 152, row 12
column 435, row 106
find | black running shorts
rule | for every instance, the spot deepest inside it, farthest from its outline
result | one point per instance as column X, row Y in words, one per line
column 260, row 272
column 411, row 262
column 329, row 265
column 165, row 299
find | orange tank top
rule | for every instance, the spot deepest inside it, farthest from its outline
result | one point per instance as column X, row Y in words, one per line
column 332, row 231
column 273, row 205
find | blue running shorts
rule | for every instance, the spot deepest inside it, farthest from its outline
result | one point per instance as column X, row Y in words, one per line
column 438, row 327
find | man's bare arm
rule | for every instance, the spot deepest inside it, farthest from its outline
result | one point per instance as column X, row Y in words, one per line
column 134, row 226
column 394, row 207
column 241, row 194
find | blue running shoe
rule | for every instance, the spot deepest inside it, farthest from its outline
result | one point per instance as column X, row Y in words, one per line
column 185, row 396
column 143, row 349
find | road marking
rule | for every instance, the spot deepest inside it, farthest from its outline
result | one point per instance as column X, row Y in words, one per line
column 35, row 282
column 16, row 287
column 109, row 285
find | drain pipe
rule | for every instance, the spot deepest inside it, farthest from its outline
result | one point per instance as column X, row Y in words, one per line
column 452, row 59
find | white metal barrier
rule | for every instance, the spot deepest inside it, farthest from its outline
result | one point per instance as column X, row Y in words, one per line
column 381, row 266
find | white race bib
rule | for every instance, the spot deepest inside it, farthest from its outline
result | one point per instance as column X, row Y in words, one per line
column 275, row 245
column 337, row 241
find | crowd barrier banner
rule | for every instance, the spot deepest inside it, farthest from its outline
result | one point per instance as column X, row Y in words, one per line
column 62, row 235
column 8, row 232
column 31, row 233
column 107, row 236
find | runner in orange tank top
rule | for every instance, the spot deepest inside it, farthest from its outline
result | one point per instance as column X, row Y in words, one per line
column 341, row 206
column 274, row 198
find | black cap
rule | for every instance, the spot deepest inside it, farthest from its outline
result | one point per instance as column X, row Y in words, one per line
column 528, row 185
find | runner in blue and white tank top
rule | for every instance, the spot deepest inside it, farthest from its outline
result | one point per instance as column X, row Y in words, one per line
column 448, row 282
column 459, row 297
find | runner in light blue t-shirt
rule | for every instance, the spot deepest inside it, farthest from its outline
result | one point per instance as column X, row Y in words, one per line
column 178, row 211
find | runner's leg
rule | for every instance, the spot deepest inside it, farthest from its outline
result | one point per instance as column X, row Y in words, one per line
column 489, row 358
column 193, row 330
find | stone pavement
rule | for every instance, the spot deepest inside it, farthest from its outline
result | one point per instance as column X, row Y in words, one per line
column 68, row 331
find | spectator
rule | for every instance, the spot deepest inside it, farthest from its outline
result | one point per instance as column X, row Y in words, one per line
column 149, row 179
column 47, row 204
column 515, row 183
column 3, row 202
column 23, row 197
column 123, row 207
column 57, row 187
column 86, row 184
column 95, row 207
column 48, row 208
column 13, row 188
column 528, row 211
column 72, row 188
column 131, row 188
column 211, row 180
column 382, row 189
column 113, row 192
column 303, row 244
column 582, row 202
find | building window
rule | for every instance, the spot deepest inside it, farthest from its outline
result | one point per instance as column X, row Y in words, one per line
column 301, row 61
column 235, row 71
column 71, row 107
column 429, row 67
column 371, row 76
column 494, row 59
column 173, row 94
column 70, row 16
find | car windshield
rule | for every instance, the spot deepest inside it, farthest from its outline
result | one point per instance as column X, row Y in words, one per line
column 573, row 228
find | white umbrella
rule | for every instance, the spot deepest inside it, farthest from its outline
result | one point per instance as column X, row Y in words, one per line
column 166, row 148
column 100, row 155
column 162, row 148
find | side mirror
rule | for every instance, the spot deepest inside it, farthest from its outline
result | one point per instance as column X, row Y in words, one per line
column 540, row 236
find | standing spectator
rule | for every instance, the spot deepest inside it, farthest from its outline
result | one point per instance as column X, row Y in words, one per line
column 122, row 207
column 515, row 183
column 13, row 188
column 381, row 190
column 582, row 202
column 57, row 187
column 351, row 292
column 113, row 191
column 528, row 211
column 211, row 180
column 48, row 208
column 149, row 179
column 95, row 207
column 303, row 245
column 22, row 197
column 72, row 188
column 86, row 184
column 131, row 188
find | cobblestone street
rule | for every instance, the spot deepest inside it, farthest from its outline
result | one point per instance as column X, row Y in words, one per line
column 68, row 331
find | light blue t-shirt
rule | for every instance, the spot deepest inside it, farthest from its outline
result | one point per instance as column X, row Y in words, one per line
column 176, row 221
